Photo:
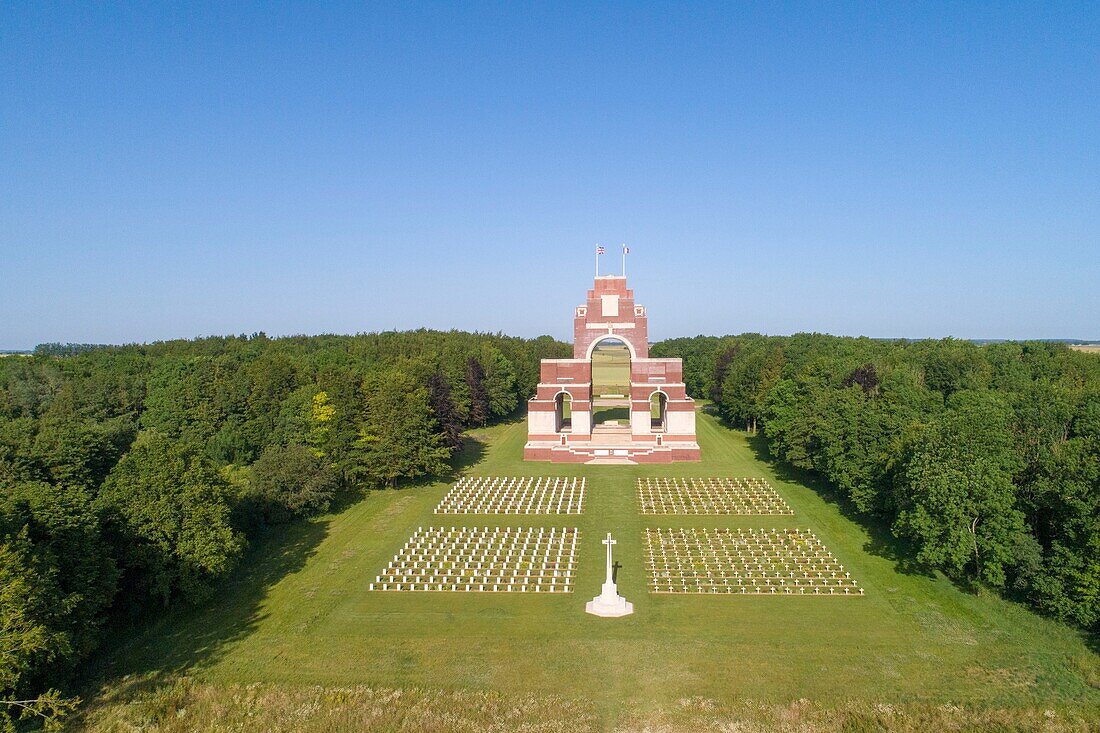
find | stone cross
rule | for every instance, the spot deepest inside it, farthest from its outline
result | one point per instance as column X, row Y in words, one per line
column 609, row 542
column 609, row 603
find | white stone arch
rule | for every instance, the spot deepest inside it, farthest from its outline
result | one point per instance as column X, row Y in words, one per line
column 563, row 391
column 664, row 408
column 610, row 337
column 559, row 410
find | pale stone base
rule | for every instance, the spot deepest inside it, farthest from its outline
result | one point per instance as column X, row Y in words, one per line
column 583, row 451
column 609, row 604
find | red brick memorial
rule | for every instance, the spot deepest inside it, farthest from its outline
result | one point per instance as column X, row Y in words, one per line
column 635, row 412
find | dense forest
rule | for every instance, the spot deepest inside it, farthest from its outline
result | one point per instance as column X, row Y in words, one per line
column 133, row 478
column 983, row 461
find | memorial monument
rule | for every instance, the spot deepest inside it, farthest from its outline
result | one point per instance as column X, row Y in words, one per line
column 609, row 604
column 611, row 403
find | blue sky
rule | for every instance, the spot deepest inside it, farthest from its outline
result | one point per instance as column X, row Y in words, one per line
column 886, row 170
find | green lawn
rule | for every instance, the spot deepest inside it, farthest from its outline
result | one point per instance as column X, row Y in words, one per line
column 603, row 414
column 610, row 370
column 300, row 613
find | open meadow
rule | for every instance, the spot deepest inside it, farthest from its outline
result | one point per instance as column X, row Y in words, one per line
column 299, row 617
column 611, row 370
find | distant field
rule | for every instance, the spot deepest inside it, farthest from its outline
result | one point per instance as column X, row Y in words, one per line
column 610, row 371
column 1091, row 348
column 297, row 642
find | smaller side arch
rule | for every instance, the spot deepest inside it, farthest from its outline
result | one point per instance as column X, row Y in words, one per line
column 658, row 410
column 563, row 411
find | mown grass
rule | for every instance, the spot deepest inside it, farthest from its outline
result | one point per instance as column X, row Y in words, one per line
column 298, row 620
column 610, row 370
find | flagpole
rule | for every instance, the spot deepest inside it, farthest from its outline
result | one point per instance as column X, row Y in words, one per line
column 597, row 260
column 624, row 260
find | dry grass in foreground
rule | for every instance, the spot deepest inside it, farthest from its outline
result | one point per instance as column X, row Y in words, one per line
column 156, row 705
column 183, row 704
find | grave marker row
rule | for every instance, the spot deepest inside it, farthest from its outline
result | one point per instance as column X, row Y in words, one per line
column 484, row 559
column 745, row 561
column 514, row 495
column 741, row 496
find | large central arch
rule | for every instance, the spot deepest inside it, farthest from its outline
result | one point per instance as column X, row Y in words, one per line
column 611, row 337
column 610, row 360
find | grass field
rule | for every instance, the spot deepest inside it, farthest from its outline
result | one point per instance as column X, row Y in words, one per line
column 299, row 615
column 610, row 370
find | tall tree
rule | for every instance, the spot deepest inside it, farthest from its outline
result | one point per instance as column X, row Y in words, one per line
column 721, row 369
column 956, row 498
column 65, row 533
column 444, row 410
column 172, row 514
column 291, row 481
column 397, row 435
column 28, row 595
column 479, row 396
column 499, row 379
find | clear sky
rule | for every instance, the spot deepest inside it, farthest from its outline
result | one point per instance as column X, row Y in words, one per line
column 878, row 169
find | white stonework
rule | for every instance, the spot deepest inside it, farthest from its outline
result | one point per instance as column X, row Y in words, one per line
column 610, row 306
column 609, row 604
column 541, row 423
column 681, row 423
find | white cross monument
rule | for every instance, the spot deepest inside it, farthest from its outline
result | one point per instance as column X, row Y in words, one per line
column 609, row 603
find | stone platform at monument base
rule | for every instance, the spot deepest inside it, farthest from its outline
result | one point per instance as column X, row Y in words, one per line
column 609, row 604
column 612, row 402
column 588, row 451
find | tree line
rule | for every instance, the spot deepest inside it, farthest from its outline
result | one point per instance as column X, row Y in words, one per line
column 984, row 460
column 134, row 477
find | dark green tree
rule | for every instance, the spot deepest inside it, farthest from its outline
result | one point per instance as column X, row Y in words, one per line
column 479, row 395
column 956, row 497
column 397, row 435
column 445, row 411
column 291, row 482
column 27, row 642
column 171, row 513
column 65, row 533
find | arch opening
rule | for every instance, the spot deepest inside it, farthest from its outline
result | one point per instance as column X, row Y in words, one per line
column 610, row 340
column 563, row 412
column 610, row 360
column 658, row 412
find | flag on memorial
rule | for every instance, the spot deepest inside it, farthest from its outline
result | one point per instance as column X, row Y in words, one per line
column 599, row 249
column 626, row 250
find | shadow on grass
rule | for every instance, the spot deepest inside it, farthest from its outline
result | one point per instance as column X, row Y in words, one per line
column 882, row 542
column 1092, row 640
column 185, row 637
column 603, row 414
column 470, row 454
column 147, row 656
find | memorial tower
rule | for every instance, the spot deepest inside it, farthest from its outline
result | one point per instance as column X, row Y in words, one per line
column 611, row 403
